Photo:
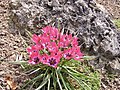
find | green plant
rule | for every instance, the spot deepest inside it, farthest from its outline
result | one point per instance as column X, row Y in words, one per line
column 117, row 22
column 56, row 63
column 73, row 75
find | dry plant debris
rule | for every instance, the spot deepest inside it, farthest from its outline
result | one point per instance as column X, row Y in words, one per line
column 10, row 81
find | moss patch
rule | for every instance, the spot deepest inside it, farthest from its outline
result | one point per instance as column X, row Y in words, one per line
column 117, row 22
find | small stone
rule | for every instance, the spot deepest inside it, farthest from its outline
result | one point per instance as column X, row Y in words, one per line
column 7, row 87
column 1, row 73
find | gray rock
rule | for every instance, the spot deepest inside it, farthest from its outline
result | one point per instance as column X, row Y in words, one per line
column 84, row 18
column 113, row 66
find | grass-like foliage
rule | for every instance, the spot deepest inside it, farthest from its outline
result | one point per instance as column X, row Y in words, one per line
column 73, row 75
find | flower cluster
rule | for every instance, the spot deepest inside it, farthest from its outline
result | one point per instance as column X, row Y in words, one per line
column 51, row 46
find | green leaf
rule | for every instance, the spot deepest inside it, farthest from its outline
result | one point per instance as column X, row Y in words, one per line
column 79, row 80
column 68, row 83
column 64, row 83
column 34, row 79
column 79, row 74
column 49, row 84
column 71, row 69
column 46, row 72
column 89, row 57
column 74, row 72
column 58, row 80
column 89, row 88
column 41, row 52
column 32, row 85
column 19, row 62
column 75, row 78
column 54, row 80
column 43, row 82
column 34, row 71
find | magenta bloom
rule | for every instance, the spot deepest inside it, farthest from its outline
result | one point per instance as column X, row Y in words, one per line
column 51, row 46
column 47, row 29
column 54, row 34
column 32, row 49
column 39, row 47
column 34, row 58
column 45, row 40
column 58, row 53
column 74, row 42
column 65, row 40
column 36, row 38
column 68, row 54
column 43, row 58
column 77, row 55
column 53, row 61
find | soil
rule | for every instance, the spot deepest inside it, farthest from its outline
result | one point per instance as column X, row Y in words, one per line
column 12, row 46
column 112, row 6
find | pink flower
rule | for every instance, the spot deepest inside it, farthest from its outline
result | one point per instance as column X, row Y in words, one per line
column 65, row 40
column 45, row 40
column 52, row 47
column 32, row 49
column 35, row 58
column 43, row 58
column 67, row 54
column 58, row 54
column 54, row 34
column 74, row 42
column 53, row 61
column 36, row 38
column 77, row 55
column 47, row 29
column 76, row 49
column 39, row 47
column 70, row 37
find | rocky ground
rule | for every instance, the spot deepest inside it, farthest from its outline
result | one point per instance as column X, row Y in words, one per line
column 12, row 45
column 112, row 6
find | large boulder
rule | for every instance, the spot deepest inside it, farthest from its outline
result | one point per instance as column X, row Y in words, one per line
column 84, row 18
